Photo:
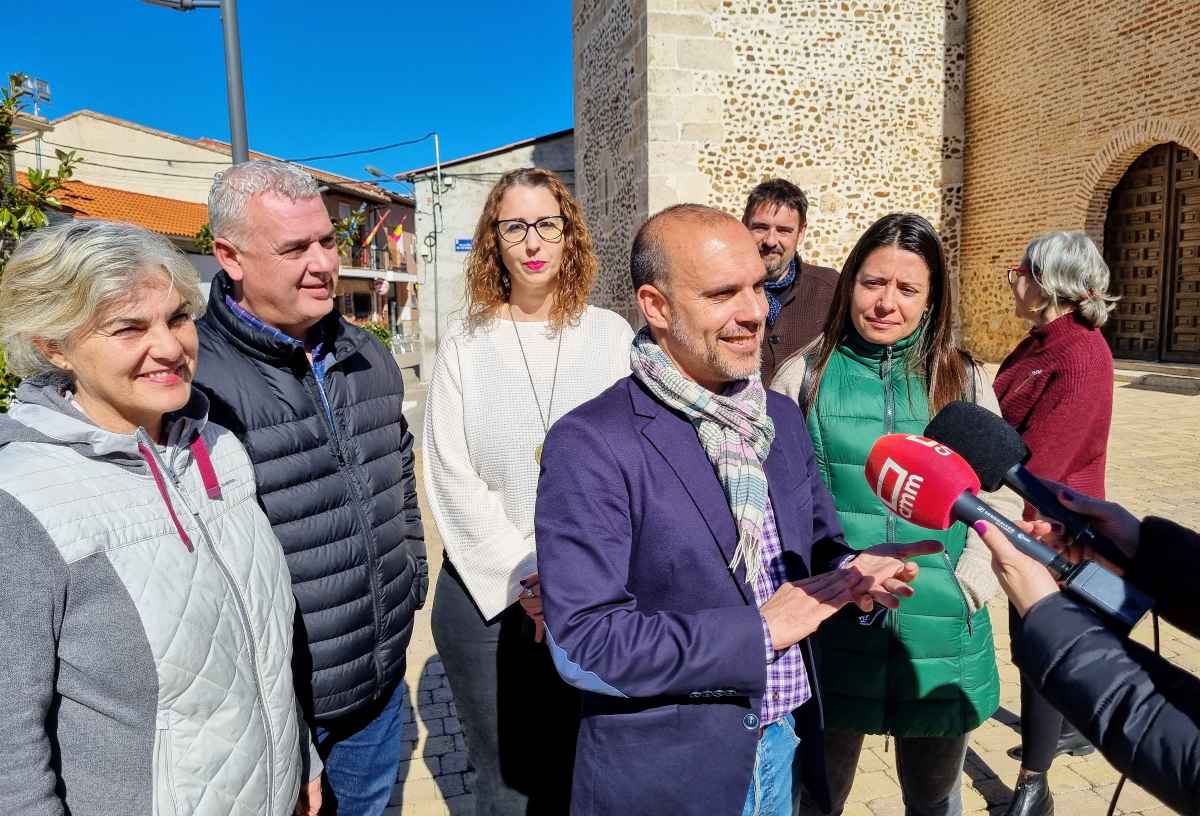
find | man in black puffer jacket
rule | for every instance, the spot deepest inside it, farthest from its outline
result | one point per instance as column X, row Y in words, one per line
column 318, row 403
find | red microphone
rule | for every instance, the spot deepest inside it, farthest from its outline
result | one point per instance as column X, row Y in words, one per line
column 925, row 482
column 899, row 468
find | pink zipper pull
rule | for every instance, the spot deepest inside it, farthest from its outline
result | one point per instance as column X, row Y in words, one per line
column 162, row 491
column 208, row 475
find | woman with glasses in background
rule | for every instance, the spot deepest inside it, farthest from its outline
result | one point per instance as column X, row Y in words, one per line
column 529, row 350
column 1056, row 389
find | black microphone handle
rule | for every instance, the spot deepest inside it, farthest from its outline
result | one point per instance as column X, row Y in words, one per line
column 1090, row 583
column 969, row 509
column 1035, row 491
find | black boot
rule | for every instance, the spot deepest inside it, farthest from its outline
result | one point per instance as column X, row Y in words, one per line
column 1070, row 742
column 1032, row 796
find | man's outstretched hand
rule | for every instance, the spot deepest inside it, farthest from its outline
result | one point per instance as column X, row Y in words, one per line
column 798, row 607
column 889, row 572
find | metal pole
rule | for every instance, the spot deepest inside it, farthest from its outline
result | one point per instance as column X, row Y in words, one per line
column 437, row 160
column 238, row 141
column 37, row 134
column 437, row 214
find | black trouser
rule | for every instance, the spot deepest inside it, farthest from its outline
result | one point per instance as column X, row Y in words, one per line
column 519, row 718
column 1041, row 724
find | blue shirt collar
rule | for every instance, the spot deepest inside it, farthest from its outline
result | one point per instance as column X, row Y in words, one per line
column 320, row 354
column 255, row 322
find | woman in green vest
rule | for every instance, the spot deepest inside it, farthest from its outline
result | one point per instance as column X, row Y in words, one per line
column 924, row 674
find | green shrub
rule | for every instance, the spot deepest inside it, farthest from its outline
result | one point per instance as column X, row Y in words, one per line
column 8, row 384
column 380, row 330
column 23, row 209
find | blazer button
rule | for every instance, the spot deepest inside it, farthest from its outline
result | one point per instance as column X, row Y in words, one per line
column 750, row 721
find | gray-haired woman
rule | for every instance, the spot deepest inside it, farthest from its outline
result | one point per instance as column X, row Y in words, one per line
column 1056, row 389
column 145, row 606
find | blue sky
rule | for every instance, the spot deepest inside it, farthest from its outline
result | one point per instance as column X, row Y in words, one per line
column 321, row 77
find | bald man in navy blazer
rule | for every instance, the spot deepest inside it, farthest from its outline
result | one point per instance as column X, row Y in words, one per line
column 677, row 655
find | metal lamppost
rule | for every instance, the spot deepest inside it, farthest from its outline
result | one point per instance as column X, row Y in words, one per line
column 233, row 68
column 432, row 238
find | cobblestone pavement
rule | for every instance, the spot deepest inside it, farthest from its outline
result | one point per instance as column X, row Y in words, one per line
column 1154, row 467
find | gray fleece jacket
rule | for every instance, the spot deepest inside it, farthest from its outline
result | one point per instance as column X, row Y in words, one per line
column 145, row 622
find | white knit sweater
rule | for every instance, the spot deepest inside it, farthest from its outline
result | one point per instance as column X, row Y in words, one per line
column 481, row 429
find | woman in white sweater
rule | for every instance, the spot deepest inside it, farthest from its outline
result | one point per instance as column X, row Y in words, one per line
column 529, row 351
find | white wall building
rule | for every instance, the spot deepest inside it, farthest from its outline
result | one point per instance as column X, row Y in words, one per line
column 123, row 163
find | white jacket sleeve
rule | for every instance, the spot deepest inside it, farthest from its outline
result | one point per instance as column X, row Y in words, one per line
column 789, row 377
column 619, row 364
column 489, row 552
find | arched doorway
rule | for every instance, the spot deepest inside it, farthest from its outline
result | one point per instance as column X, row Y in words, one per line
column 1152, row 246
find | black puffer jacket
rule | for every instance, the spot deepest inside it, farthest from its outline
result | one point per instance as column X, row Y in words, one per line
column 1141, row 711
column 342, row 498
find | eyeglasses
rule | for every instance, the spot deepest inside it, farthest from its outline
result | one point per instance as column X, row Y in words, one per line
column 550, row 228
column 1015, row 272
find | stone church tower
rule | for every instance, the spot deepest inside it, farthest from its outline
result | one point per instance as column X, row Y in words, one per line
column 1081, row 115
column 859, row 102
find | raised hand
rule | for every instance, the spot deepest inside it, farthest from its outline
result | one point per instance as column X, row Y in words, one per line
column 1109, row 519
column 797, row 608
column 889, row 573
column 1023, row 580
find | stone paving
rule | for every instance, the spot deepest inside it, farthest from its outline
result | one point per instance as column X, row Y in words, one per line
column 1154, row 467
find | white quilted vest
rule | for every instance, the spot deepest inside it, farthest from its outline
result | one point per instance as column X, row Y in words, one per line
column 218, row 619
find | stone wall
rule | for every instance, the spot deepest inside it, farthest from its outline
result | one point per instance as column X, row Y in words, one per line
column 858, row 102
column 1061, row 98
column 610, row 137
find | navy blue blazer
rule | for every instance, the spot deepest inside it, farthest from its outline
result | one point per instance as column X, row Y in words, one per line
column 634, row 539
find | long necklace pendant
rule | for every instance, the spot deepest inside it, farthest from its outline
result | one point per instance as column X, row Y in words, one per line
column 537, row 453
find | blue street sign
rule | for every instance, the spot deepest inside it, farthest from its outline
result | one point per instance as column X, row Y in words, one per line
column 462, row 244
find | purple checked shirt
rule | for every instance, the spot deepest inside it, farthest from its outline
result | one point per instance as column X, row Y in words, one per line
column 787, row 679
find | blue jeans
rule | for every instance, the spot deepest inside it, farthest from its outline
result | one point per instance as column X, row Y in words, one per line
column 362, row 756
column 770, row 791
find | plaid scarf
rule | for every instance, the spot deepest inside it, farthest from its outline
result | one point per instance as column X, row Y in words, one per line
column 735, row 432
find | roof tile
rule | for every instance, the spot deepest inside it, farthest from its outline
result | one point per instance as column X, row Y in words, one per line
column 166, row 216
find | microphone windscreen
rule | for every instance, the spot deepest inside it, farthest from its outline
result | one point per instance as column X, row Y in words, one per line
column 919, row 479
column 985, row 440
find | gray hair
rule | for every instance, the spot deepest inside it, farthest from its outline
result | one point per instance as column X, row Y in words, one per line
column 1071, row 272
column 60, row 279
column 233, row 188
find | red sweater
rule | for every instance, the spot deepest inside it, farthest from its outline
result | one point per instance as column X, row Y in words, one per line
column 1056, row 389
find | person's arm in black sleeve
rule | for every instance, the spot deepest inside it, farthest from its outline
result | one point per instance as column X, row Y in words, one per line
column 1141, row 711
column 1167, row 566
column 414, row 536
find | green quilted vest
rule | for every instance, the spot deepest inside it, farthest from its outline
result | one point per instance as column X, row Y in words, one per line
column 926, row 669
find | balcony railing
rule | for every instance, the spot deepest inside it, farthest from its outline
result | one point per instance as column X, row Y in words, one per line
column 372, row 258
